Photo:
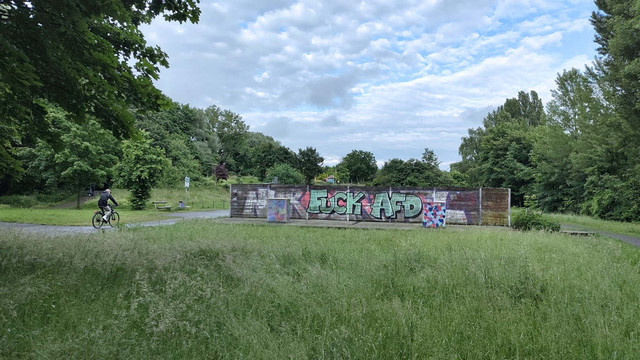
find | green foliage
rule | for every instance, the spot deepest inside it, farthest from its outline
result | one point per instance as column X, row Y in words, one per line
column 498, row 154
column 425, row 173
column 360, row 166
column 285, row 173
column 309, row 163
column 18, row 201
column 232, row 133
column 187, row 138
column 139, row 170
column 88, row 57
column 268, row 153
column 84, row 154
column 618, row 37
column 530, row 220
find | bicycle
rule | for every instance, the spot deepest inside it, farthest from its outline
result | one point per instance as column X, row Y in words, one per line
column 97, row 221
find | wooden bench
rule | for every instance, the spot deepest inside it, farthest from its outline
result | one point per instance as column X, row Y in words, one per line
column 161, row 205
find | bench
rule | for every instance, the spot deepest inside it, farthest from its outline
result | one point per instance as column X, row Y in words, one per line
column 161, row 205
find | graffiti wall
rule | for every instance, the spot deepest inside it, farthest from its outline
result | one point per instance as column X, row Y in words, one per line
column 485, row 206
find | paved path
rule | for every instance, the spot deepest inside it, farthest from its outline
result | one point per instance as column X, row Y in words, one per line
column 56, row 230
column 626, row 238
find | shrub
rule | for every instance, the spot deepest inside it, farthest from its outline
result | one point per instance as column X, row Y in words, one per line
column 529, row 220
column 286, row 174
column 19, row 201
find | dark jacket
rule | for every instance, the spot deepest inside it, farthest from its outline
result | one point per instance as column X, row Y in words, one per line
column 104, row 197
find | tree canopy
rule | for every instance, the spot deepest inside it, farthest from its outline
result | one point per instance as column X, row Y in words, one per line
column 85, row 56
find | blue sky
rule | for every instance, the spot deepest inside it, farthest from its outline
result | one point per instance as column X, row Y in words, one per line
column 389, row 77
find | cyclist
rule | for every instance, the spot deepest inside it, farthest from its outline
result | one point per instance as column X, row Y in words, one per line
column 103, row 203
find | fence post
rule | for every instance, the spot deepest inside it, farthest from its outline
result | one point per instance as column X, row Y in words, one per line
column 509, row 213
column 480, row 207
column 307, row 212
column 347, row 210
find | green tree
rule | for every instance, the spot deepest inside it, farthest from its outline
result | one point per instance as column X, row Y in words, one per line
column 309, row 163
column 618, row 37
column 86, row 56
column 611, row 188
column 270, row 153
column 360, row 165
column 285, row 173
column 498, row 154
column 233, row 134
column 140, row 169
column 571, row 148
column 86, row 154
column 551, row 155
column 393, row 173
column 187, row 139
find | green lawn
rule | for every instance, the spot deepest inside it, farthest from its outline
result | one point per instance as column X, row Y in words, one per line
column 204, row 289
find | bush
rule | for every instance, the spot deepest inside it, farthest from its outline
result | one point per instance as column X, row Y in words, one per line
column 529, row 220
column 286, row 174
column 19, row 201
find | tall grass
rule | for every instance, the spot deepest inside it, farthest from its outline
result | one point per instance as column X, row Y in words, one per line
column 202, row 289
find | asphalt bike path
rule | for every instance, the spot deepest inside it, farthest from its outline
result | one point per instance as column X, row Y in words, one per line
column 626, row 238
column 58, row 230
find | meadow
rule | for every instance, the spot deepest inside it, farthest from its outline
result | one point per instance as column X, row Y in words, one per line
column 206, row 289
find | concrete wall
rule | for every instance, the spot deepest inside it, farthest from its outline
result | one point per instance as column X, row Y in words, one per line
column 469, row 206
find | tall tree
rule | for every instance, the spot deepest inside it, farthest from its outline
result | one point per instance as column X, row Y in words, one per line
column 86, row 56
column 309, row 163
column 232, row 132
column 86, row 155
column 618, row 37
column 140, row 169
column 361, row 165
column 498, row 154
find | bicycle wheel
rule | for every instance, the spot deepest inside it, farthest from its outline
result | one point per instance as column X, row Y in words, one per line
column 114, row 219
column 96, row 221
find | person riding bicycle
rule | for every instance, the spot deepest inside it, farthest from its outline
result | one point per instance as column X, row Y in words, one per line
column 103, row 203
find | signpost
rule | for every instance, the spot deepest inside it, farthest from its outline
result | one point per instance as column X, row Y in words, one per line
column 186, row 189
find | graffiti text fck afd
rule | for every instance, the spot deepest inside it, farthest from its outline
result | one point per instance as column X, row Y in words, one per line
column 347, row 203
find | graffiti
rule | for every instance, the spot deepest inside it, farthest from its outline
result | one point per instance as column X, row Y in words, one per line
column 363, row 203
column 397, row 202
column 277, row 210
column 322, row 202
column 341, row 202
column 434, row 215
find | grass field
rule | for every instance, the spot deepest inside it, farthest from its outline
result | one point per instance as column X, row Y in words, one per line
column 203, row 289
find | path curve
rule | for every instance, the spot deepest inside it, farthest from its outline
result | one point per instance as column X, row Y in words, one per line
column 626, row 238
column 59, row 230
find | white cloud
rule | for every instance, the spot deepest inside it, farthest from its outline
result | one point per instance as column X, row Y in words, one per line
column 390, row 77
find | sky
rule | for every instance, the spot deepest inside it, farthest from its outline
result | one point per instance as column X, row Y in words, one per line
column 391, row 77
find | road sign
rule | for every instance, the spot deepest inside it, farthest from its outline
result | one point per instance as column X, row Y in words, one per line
column 186, row 181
